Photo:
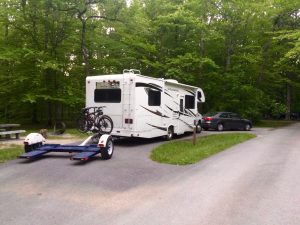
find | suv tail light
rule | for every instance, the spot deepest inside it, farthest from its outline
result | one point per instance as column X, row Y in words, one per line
column 208, row 118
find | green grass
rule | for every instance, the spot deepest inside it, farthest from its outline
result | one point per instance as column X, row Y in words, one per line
column 273, row 123
column 183, row 152
column 10, row 152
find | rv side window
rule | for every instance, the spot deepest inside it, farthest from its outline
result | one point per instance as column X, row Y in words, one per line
column 189, row 102
column 199, row 95
column 107, row 95
column 154, row 98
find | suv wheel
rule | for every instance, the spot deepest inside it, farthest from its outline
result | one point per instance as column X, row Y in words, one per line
column 247, row 127
column 220, row 127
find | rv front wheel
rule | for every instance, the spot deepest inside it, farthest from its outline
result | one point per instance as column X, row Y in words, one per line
column 170, row 134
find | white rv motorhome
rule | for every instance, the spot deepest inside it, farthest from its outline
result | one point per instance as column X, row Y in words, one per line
column 146, row 107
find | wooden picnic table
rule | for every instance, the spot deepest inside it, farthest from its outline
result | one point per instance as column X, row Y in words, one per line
column 9, row 126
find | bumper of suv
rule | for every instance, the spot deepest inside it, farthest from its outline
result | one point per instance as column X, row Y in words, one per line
column 208, row 125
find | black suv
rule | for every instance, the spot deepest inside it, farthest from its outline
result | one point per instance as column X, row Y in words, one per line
column 225, row 121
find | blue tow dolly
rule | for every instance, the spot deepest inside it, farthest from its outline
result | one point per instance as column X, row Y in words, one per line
column 35, row 147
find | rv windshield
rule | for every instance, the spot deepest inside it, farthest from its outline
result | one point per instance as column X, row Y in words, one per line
column 112, row 95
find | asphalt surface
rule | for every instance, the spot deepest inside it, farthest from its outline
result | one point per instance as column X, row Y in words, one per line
column 256, row 182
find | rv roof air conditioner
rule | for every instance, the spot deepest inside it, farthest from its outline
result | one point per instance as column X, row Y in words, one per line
column 134, row 71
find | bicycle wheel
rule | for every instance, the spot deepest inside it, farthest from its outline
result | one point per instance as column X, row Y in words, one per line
column 81, row 123
column 104, row 124
column 84, row 123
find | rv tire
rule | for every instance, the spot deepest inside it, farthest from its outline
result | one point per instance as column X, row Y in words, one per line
column 198, row 128
column 170, row 133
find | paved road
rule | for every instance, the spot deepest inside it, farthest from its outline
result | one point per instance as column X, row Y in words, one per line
column 256, row 182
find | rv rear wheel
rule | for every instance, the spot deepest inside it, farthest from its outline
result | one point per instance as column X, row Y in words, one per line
column 170, row 134
column 198, row 128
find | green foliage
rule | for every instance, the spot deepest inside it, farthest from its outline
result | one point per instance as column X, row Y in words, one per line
column 276, row 108
column 246, row 59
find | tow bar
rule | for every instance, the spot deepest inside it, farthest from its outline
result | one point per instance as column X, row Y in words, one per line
column 35, row 147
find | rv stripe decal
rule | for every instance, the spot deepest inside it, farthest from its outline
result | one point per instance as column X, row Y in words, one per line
column 186, row 123
column 190, row 92
column 192, row 112
column 185, row 114
column 171, row 109
column 189, row 113
column 161, row 128
column 154, row 86
column 176, row 103
column 168, row 94
column 155, row 112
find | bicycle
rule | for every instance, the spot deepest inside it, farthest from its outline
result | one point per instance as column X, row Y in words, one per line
column 92, row 119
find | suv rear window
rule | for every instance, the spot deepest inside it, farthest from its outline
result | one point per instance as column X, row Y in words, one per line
column 225, row 115
column 211, row 114
column 234, row 116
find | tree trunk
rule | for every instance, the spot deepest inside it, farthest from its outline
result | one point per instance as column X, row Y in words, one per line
column 50, row 121
column 84, row 49
column 34, row 119
column 288, row 102
column 228, row 57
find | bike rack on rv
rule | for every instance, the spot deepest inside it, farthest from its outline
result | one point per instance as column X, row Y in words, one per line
column 35, row 147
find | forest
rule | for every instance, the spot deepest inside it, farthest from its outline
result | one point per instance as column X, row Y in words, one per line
column 244, row 54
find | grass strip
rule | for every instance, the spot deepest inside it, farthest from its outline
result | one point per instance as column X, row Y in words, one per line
column 274, row 123
column 183, row 152
column 10, row 152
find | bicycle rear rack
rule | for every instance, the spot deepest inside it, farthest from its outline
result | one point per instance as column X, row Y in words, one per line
column 92, row 119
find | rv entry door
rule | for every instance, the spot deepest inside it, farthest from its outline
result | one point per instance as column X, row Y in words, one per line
column 128, row 101
column 180, row 114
